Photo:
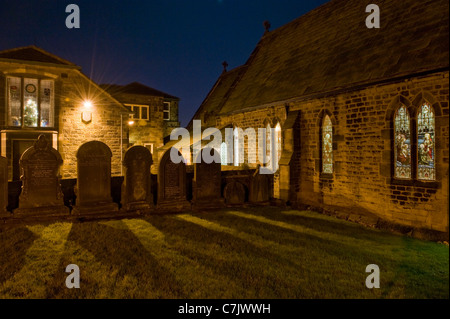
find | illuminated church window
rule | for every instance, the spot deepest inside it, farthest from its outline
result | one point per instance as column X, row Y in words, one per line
column 236, row 147
column 223, row 154
column 402, row 149
column 327, row 146
column 425, row 143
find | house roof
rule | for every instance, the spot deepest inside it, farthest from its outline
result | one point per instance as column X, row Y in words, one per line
column 330, row 48
column 135, row 88
column 34, row 54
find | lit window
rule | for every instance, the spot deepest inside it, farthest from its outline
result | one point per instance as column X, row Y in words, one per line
column 327, row 146
column 166, row 111
column 279, row 145
column 140, row 112
column 236, row 147
column 224, row 154
column 425, row 143
column 402, row 150
column 30, row 102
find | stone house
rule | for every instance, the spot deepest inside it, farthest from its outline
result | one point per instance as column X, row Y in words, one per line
column 153, row 114
column 361, row 115
column 41, row 93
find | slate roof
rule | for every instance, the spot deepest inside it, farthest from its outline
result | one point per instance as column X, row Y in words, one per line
column 218, row 95
column 35, row 54
column 135, row 88
column 330, row 48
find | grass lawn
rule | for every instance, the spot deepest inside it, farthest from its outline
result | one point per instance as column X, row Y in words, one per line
column 262, row 252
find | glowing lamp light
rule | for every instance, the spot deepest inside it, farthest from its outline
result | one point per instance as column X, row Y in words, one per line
column 87, row 104
column 130, row 122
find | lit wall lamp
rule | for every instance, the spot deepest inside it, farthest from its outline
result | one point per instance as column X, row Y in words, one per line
column 86, row 115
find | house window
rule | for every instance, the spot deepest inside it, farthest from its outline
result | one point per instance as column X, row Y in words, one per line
column 327, row 145
column 30, row 102
column 140, row 112
column 425, row 143
column 166, row 111
column 402, row 149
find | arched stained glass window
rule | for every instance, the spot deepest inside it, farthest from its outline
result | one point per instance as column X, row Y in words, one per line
column 327, row 146
column 268, row 146
column 402, row 149
column 279, row 145
column 223, row 154
column 425, row 143
column 236, row 147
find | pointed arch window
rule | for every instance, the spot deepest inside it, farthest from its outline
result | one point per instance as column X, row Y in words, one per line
column 327, row 145
column 268, row 146
column 223, row 153
column 402, row 149
column 279, row 145
column 425, row 143
column 236, row 147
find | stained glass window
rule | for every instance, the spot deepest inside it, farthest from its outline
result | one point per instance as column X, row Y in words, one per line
column 327, row 146
column 30, row 102
column 268, row 146
column 425, row 143
column 236, row 147
column 402, row 149
column 279, row 145
column 47, row 103
column 14, row 101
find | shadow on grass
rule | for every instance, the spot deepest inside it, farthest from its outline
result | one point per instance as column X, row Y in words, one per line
column 321, row 223
column 252, row 268
column 120, row 251
column 14, row 244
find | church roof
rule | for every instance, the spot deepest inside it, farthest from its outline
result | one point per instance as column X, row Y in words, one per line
column 330, row 48
column 135, row 88
column 33, row 54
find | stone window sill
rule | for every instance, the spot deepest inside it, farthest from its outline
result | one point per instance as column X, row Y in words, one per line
column 415, row 183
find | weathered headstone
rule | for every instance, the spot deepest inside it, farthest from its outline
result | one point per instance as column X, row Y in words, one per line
column 259, row 188
column 136, row 188
column 207, row 182
column 4, row 187
column 93, row 188
column 234, row 193
column 172, row 185
column 41, row 189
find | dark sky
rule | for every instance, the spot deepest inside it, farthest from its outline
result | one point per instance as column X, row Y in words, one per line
column 176, row 46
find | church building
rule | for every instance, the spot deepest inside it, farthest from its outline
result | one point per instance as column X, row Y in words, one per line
column 361, row 114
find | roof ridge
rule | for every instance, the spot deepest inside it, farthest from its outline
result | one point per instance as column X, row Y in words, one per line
column 40, row 50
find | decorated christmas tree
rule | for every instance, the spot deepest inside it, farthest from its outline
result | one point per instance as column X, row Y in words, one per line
column 30, row 113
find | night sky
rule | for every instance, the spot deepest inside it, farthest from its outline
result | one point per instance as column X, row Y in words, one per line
column 176, row 46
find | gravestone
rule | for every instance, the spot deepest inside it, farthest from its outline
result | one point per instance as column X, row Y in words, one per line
column 234, row 193
column 41, row 189
column 207, row 181
column 172, row 185
column 93, row 188
column 259, row 188
column 136, row 188
column 4, row 187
